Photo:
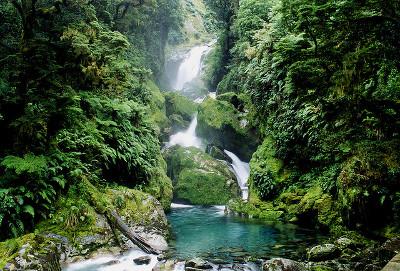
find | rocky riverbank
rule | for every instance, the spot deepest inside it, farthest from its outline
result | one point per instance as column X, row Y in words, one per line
column 58, row 242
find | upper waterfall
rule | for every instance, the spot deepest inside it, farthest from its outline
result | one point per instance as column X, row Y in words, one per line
column 190, row 68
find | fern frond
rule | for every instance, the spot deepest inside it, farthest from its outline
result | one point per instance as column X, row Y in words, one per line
column 30, row 163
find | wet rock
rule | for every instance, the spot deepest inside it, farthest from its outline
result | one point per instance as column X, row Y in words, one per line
column 143, row 260
column 327, row 266
column 165, row 266
column 197, row 263
column 231, row 249
column 280, row 264
column 323, row 252
column 113, row 262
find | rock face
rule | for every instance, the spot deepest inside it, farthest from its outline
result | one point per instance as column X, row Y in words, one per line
column 200, row 179
column 222, row 125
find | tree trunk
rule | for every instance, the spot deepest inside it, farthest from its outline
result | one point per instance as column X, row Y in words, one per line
column 136, row 239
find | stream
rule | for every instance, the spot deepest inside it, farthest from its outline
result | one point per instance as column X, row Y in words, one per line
column 207, row 232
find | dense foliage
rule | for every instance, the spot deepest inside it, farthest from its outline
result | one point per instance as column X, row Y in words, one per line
column 73, row 99
column 324, row 81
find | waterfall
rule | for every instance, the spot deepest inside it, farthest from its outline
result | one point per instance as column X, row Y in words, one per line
column 190, row 67
column 242, row 171
column 187, row 138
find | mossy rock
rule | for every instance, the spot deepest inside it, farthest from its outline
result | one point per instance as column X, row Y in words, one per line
column 216, row 153
column 323, row 252
column 307, row 202
column 201, row 179
column 177, row 124
column 223, row 126
column 29, row 252
column 75, row 218
column 160, row 187
column 180, row 105
column 267, row 173
column 157, row 108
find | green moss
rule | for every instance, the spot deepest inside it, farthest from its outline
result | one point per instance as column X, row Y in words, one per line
column 215, row 113
column 220, row 123
column 160, row 186
column 36, row 246
column 306, row 204
column 180, row 105
column 204, row 188
column 267, row 173
column 8, row 250
column 157, row 106
column 201, row 179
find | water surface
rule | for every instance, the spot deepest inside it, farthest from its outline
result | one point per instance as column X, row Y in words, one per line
column 207, row 232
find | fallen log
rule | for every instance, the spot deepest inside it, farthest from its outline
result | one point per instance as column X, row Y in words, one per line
column 103, row 206
column 139, row 241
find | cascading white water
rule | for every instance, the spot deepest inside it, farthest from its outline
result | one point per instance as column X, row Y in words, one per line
column 242, row 171
column 187, row 138
column 190, row 67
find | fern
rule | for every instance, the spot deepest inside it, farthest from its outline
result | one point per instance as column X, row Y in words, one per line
column 30, row 163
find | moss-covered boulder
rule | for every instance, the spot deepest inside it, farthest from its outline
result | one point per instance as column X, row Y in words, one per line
column 81, row 232
column 179, row 105
column 224, row 126
column 30, row 252
column 267, row 173
column 200, row 179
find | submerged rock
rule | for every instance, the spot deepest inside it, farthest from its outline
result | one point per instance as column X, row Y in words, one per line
column 197, row 263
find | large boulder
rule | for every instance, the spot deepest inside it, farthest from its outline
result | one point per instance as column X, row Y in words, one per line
column 179, row 105
column 30, row 252
column 222, row 125
column 201, row 179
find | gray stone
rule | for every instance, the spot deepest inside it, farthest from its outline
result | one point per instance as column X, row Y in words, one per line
column 143, row 260
column 197, row 263
column 165, row 266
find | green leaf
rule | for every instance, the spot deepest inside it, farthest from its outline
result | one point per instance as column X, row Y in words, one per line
column 29, row 210
column 30, row 163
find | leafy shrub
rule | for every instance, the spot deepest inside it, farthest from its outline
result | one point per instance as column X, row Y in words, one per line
column 265, row 184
